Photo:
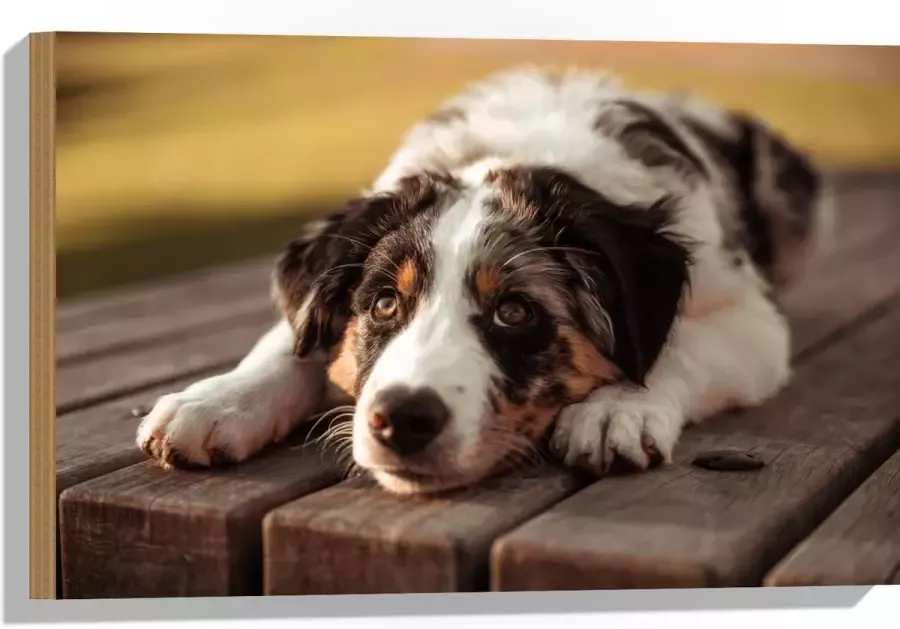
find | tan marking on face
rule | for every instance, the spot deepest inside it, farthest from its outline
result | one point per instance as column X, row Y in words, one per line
column 527, row 420
column 406, row 277
column 589, row 368
column 342, row 368
column 487, row 281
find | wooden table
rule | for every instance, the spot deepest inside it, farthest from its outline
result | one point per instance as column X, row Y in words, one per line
column 825, row 509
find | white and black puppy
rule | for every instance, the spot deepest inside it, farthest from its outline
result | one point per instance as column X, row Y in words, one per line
column 549, row 255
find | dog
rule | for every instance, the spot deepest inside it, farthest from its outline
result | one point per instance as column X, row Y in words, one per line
column 549, row 258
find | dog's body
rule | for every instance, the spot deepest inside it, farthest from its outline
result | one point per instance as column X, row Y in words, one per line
column 549, row 254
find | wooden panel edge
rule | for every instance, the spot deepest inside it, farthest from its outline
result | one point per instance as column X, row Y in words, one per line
column 42, row 302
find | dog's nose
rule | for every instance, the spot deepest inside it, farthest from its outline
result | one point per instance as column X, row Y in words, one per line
column 406, row 420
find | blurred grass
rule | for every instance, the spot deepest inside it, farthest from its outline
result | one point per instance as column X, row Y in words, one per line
column 179, row 151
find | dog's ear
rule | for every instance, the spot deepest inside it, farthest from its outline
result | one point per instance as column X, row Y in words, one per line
column 317, row 273
column 631, row 271
column 633, row 276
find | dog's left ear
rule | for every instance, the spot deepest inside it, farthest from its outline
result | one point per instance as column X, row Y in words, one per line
column 317, row 273
column 636, row 273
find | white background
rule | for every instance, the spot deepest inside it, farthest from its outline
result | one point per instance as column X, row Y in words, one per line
column 784, row 21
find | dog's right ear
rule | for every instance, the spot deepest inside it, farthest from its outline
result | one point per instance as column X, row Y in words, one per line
column 316, row 275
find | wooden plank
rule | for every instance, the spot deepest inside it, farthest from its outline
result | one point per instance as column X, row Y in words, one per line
column 829, row 301
column 355, row 538
column 866, row 207
column 681, row 526
column 216, row 284
column 859, row 544
column 117, row 335
column 100, row 439
column 144, row 532
column 82, row 384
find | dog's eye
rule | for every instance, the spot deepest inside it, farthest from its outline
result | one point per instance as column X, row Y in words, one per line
column 385, row 307
column 512, row 312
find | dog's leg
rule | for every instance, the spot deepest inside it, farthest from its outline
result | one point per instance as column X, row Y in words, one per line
column 737, row 355
column 230, row 417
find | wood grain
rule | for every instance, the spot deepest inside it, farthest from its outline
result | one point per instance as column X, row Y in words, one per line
column 859, row 544
column 83, row 384
column 857, row 269
column 145, row 532
column 829, row 302
column 176, row 321
column 681, row 526
column 866, row 208
column 355, row 538
column 42, row 302
column 203, row 286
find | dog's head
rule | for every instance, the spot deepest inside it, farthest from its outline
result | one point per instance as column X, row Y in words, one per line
column 463, row 314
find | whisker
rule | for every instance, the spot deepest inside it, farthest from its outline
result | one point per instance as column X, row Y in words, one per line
column 330, row 436
column 550, row 248
column 537, row 267
column 516, row 445
column 340, row 410
column 334, row 268
column 344, row 408
column 370, row 248
column 348, row 239
column 341, row 430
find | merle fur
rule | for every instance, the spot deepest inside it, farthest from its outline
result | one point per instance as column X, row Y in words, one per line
column 769, row 209
column 623, row 259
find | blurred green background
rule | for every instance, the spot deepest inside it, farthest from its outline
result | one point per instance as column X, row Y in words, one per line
column 180, row 151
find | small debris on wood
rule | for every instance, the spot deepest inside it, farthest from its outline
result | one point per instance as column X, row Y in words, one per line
column 728, row 461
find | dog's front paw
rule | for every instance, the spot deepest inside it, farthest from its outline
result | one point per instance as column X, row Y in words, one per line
column 210, row 423
column 616, row 423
